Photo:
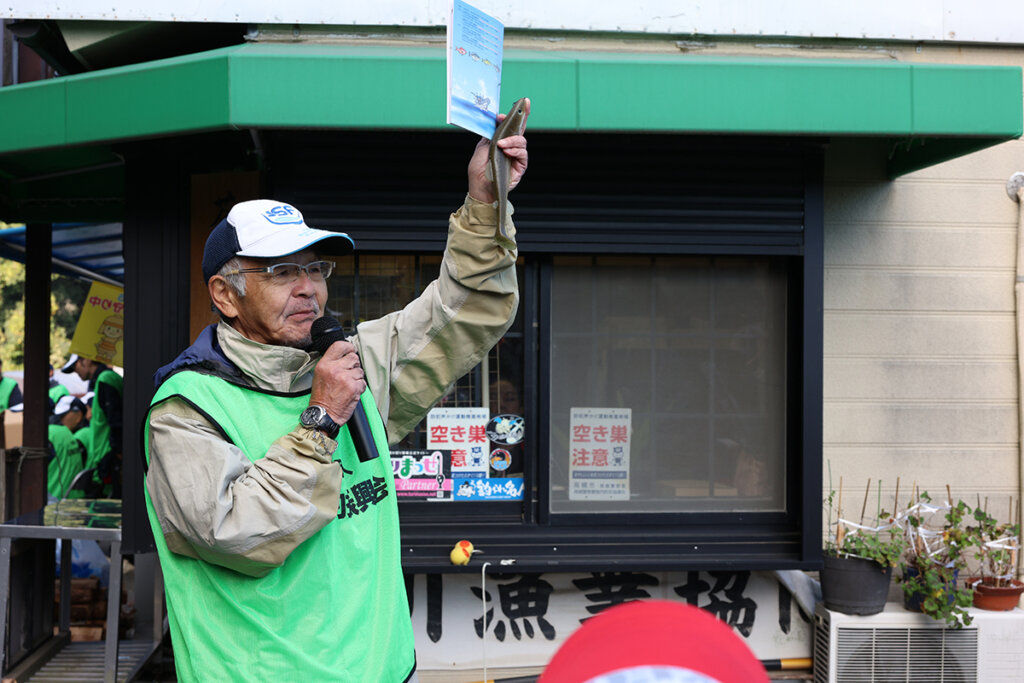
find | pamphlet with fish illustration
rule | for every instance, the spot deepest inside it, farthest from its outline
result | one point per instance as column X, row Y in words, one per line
column 475, row 42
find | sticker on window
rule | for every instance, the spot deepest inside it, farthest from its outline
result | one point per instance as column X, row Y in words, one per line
column 505, row 429
column 599, row 453
column 488, row 489
column 422, row 474
column 463, row 431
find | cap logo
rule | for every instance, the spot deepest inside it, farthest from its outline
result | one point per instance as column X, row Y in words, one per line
column 283, row 214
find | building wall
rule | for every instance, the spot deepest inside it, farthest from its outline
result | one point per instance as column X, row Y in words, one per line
column 920, row 354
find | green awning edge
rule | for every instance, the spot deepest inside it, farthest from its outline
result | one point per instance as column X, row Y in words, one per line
column 906, row 156
column 265, row 85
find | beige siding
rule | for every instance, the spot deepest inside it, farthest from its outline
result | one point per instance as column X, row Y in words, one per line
column 920, row 355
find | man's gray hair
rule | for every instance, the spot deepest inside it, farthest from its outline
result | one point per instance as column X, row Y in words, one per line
column 236, row 280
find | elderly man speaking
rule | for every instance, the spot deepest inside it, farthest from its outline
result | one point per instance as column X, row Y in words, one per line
column 279, row 544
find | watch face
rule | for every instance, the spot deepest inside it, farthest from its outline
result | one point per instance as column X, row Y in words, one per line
column 313, row 416
column 316, row 417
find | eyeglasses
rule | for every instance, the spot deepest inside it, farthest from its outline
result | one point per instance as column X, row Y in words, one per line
column 285, row 273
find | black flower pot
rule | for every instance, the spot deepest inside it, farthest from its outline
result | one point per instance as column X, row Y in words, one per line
column 915, row 601
column 852, row 585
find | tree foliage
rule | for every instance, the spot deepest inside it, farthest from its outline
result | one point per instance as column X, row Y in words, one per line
column 67, row 295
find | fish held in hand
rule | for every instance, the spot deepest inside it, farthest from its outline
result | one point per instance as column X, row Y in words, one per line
column 499, row 167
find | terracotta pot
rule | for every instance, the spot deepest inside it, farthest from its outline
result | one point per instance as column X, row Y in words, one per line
column 997, row 598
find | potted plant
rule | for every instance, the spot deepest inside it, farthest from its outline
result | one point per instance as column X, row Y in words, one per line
column 937, row 545
column 859, row 559
column 996, row 543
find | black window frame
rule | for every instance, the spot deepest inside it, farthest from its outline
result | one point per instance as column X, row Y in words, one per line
column 626, row 520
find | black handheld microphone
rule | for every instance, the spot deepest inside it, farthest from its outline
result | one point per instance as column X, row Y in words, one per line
column 326, row 331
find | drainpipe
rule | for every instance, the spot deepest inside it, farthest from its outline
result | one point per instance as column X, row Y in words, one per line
column 1015, row 188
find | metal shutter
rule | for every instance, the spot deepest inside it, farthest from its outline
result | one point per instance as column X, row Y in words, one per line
column 583, row 192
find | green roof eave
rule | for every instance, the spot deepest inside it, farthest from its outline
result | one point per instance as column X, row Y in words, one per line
column 930, row 112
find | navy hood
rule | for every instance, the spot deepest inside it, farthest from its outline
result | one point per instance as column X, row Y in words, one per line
column 204, row 355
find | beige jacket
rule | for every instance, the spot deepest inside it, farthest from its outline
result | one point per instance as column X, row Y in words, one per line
column 214, row 504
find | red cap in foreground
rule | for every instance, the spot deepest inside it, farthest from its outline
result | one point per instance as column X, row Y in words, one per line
column 654, row 640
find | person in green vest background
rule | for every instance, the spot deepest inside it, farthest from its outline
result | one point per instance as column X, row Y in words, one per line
column 68, row 452
column 55, row 391
column 10, row 396
column 275, row 524
column 10, row 392
column 103, row 442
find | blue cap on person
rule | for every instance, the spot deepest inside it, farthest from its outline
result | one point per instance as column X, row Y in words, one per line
column 654, row 640
column 264, row 228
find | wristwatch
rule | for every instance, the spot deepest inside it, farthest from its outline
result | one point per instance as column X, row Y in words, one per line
column 316, row 417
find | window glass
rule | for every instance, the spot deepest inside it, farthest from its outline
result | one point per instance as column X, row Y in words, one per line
column 479, row 421
column 368, row 287
column 668, row 384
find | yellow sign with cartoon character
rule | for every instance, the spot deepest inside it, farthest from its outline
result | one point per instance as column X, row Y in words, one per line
column 100, row 329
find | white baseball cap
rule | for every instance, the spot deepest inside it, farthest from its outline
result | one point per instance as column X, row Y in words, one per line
column 264, row 228
column 70, row 365
column 68, row 403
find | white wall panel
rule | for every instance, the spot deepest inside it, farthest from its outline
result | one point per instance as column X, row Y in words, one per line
column 989, row 21
column 911, row 201
column 908, row 379
column 967, row 471
column 919, row 335
column 883, row 244
column 901, row 422
column 861, row 289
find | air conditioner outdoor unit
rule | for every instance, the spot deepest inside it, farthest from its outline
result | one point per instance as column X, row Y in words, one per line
column 898, row 646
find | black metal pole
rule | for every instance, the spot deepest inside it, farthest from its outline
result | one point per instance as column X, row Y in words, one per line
column 32, row 482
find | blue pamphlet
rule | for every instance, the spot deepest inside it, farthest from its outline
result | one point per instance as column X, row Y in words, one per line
column 475, row 42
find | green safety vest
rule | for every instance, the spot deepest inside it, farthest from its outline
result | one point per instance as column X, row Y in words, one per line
column 98, row 443
column 336, row 610
column 67, row 462
column 57, row 391
column 6, row 388
column 84, row 437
